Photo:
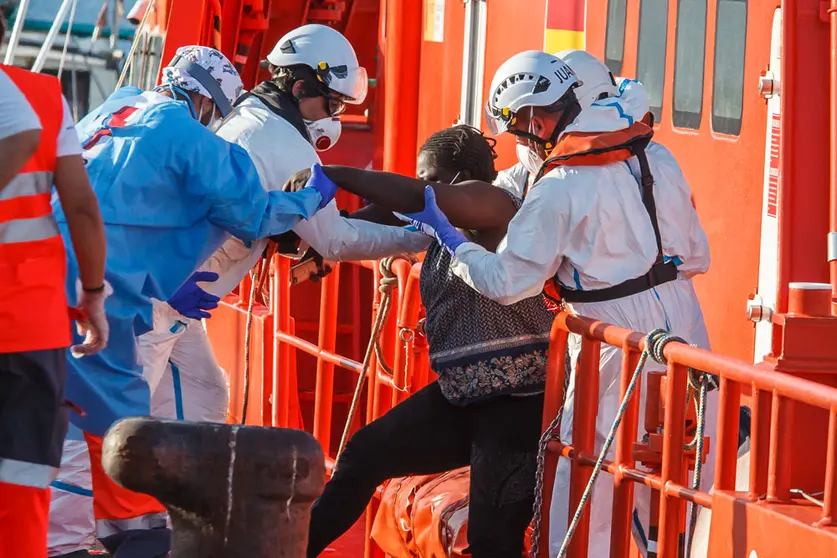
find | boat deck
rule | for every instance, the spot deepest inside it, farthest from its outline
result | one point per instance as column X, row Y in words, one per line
column 349, row 545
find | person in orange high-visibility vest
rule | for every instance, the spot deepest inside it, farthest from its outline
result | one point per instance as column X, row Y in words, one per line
column 34, row 321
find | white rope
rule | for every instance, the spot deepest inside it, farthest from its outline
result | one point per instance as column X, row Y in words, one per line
column 67, row 36
column 134, row 44
column 20, row 19
column 248, row 324
column 387, row 284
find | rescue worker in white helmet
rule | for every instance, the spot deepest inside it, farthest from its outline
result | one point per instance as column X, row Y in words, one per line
column 170, row 194
column 282, row 123
column 597, row 82
column 608, row 228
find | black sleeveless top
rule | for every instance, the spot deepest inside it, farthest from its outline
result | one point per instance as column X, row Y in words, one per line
column 479, row 347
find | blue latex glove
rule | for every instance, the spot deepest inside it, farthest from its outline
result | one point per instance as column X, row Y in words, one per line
column 432, row 222
column 322, row 184
column 192, row 301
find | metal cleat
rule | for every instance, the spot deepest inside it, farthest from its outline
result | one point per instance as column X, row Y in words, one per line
column 231, row 491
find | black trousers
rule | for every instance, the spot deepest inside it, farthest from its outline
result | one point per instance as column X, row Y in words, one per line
column 426, row 434
column 33, row 418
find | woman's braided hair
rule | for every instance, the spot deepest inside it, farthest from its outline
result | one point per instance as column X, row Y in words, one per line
column 462, row 148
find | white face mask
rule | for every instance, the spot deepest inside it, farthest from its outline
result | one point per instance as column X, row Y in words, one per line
column 529, row 158
column 213, row 120
column 214, row 123
column 528, row 154
column 324, row 132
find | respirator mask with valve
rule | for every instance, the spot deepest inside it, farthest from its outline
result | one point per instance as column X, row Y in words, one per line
column 324, row 132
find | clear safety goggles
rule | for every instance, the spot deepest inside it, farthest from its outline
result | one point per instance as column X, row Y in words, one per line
column 350, row 84
column 335, row 104
column 498, row 120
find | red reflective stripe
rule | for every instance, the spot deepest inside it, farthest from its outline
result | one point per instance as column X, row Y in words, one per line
column 117, row 120
column 21, row 251
column 102, row 132
column 25, row 207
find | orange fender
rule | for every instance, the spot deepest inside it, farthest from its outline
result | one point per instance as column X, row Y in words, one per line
column 425, row 516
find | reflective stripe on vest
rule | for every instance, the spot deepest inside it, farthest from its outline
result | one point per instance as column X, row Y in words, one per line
column 23, row 473
column 28, row 184
column 25, row 210
column 28, row 230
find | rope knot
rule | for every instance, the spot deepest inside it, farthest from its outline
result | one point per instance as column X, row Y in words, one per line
column 655, row 344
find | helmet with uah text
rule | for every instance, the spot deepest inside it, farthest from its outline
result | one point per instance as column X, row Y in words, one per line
column 530, row 79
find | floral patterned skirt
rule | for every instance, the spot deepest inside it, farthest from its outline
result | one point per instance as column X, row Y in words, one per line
column 519, row 373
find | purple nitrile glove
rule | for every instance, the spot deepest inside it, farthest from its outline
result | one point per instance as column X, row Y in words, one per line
column 322, row 184
column 432, row 222
column 192, row 301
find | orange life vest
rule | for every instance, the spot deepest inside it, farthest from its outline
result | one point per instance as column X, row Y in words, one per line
column 604, row 148
column 33, row 302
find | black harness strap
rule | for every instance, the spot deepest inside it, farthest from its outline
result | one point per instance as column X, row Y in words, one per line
column 285, row 106
column 660, row 272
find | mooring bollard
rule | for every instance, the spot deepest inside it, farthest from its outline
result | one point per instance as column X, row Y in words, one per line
column 231, row 491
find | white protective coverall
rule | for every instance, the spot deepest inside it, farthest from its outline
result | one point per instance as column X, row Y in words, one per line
column 278, row 150
column 588, row 225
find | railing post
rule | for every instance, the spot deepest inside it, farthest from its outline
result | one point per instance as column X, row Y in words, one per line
column 324, row 390
column 759, row 442
column 556, row 373
column 830, row 492
column 585, row 413
column 727, row 447
column 781, row 432
column 623, row 490
column 674, row 464
column 281, row 302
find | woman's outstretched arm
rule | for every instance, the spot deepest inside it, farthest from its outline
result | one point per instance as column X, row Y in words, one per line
column 469, row 205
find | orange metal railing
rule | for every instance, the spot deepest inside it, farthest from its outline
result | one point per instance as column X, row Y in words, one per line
column 774, row 396
column 399, row 342
column 402, row 345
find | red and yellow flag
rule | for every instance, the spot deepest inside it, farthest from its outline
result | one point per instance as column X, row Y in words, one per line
column 564, row 25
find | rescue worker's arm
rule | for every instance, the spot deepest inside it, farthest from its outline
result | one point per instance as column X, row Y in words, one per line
column 225, row 175
column 340, row 239
column 20, row 130
column 529, row 255
column 15, row 150
column 80, row 206
column 468, row 205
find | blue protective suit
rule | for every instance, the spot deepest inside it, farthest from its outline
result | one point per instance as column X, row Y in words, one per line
column 170, row 193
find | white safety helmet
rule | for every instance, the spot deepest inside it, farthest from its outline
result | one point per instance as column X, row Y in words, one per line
column 329, row 54
column 530, row 79
column 597, row 81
